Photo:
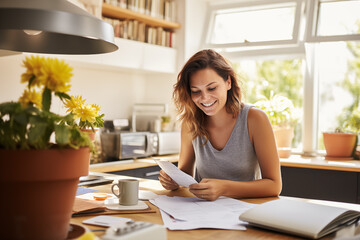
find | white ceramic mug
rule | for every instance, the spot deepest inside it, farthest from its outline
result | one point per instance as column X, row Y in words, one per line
column 128, row 191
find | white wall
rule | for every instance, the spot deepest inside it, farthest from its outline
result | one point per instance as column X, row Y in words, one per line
column 115, row 91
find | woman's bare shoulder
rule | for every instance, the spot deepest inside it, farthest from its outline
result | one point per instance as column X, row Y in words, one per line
column 257, row 116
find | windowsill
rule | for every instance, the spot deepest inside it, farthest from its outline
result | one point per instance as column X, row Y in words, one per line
column 320, row 163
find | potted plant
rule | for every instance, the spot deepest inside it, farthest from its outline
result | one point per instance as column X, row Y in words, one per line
column 86, row 116
column 341, row 144
column 42, row 155
column 283, row 117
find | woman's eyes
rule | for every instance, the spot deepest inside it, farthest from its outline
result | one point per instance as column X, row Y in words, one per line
column 198, row 92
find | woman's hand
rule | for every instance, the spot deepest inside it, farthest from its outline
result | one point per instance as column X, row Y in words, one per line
column 167, row 181
column 209, row 189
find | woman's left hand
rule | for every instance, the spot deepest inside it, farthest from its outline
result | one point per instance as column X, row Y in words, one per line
column 209, row 189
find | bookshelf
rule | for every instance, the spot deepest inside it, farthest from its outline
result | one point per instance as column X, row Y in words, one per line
column 123, row 13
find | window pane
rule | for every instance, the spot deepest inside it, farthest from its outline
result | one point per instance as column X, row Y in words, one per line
column 339, row 84
column 254, row 26
column 338, row 18
column 277, row 77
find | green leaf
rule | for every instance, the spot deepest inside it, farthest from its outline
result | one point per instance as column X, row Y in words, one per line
column 46, row 99
column 62, row 134
column 38, row 135
column 31, row 81
column 62, row 95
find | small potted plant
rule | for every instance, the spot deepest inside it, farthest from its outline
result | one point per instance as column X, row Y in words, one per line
column 86, row 116
column 341, row 144
column 283, row 117
column 42, row 155
column 165, row 123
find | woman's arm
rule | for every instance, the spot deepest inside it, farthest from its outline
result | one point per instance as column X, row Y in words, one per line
column 262, row 138
column 186, row 160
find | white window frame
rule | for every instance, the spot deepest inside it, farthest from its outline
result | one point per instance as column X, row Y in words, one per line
column 302, row 45
column 312, row 25
column 214, row 9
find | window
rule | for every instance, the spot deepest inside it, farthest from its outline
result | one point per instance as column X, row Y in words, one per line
column 333, row 20
column 254, row 24
column 261, row 77
column 316, row 43
column 339, row 84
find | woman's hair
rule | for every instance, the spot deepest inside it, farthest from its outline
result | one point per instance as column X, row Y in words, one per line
column 189, row 113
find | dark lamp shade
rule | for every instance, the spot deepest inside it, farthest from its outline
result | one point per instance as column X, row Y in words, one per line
column 52, row 26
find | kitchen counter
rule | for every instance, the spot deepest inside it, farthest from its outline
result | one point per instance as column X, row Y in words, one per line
column 122, row 165
column 293, row 161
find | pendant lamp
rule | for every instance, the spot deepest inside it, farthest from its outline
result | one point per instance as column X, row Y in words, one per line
column 52, row 26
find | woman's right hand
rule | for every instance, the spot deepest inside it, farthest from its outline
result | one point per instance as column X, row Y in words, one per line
column 167, row 181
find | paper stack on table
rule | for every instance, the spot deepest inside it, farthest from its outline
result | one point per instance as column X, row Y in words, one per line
column 184, row 213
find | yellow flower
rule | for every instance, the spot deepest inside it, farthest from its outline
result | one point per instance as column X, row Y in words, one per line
column 56, row 74
column 74, row 103
column 30, row 96
column 96, row 107
column 33, row 65
column 86, row 113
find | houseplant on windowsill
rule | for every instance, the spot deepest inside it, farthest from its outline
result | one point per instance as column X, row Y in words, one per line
column 341, row 144
column 42, row 156
column 283, row 118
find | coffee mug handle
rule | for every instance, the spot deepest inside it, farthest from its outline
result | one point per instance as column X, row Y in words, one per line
column 112, row 189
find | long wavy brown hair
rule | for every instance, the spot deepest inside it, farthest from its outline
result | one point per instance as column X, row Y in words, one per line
column 189, row 113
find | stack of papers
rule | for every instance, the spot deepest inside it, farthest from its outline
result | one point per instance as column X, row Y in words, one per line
column 184, row 213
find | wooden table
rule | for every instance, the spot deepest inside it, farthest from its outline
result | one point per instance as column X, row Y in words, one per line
column 208, row 234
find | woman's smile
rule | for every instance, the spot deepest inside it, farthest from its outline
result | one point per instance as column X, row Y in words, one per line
column 209, row 104
column 209, row 91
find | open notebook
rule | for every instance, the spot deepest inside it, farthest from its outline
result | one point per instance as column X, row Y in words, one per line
column 298, row 217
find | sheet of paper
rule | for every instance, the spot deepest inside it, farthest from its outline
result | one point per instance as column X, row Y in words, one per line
column 147, row 195
column 181, row 178
column 184, row 213
column 106, row 221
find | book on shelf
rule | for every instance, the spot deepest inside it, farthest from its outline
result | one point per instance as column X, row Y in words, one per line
column 164, row 9
column 299, row 217
column 139, row 31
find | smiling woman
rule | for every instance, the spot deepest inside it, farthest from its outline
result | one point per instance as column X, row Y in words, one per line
column 231, row 143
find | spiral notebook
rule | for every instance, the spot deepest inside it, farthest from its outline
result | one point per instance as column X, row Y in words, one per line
column 299, row 217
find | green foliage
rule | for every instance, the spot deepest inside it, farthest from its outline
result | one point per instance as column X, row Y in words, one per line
column 99, row 122
column 282, row 76
column 279, row 109
column 351, row 83
column 31, row 128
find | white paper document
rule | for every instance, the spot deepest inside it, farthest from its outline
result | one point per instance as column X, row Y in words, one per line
column 184, row 213
column 181, row 178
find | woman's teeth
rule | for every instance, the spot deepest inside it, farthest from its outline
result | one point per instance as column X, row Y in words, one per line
column 208, row 105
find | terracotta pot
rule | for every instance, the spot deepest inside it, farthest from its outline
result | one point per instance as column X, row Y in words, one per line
column 283, row 137
column 339, row 145
column 90, row 133
column 38, row 189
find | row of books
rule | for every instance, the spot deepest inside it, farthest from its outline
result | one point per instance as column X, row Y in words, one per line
column 164, row 9
column 139, row 31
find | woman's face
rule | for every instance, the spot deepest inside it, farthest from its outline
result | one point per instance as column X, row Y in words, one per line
column 209, row 91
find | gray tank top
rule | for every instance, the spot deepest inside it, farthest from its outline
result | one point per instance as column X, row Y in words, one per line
column 237, row 161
